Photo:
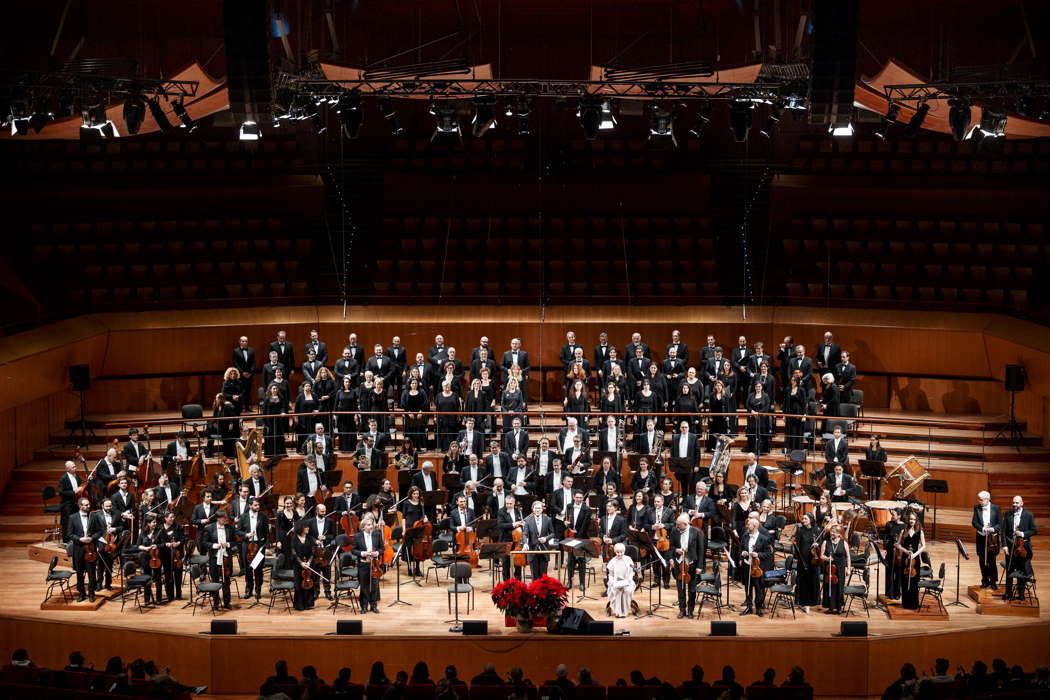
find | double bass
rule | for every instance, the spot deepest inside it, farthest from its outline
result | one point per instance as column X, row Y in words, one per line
column 83, row 490
column 424, row 548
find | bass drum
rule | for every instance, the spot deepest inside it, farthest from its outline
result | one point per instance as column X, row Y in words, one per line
column 880, row 511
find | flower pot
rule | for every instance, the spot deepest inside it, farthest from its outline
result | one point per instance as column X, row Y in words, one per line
column 524, row 624
column 536, row 621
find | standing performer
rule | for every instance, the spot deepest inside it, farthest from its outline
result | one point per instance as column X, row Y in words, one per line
column 147, row 544
column 688, row 561
column 910, row 544
column 757, row 555
column 509, row 519
column 621, row 582
column 302, row 550
column 170, row 539
column 807, row 577
column 108, row 523
column 987, row 522
column 835, row 555
column 368, row 546
column 253, row 528
column 893, row 531
column 219, row 540
column 539, row 532
column 578, row 519
column 82, row 542
column 1018, row 530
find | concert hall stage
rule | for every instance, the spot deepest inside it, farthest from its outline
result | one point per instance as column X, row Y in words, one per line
column 403, row 634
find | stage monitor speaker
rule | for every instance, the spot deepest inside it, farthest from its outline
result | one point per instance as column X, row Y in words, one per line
column 574, row 621
column 723, row 629
column 1014, row 378
column 224, row 627
column 348, row 627
column 475, row 627
column 853, row 629
column 80, row 377
column 600, row 628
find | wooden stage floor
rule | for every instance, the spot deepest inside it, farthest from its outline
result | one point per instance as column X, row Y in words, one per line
column 402, row 634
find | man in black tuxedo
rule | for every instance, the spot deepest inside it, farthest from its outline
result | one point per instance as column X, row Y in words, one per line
column 613, row 361
column 674, row 369
column 538, row 536
column 567, row 435
column 755, row 544
column 483, row 344
column 751, row 466
column 346, row 366
column 457, row 368
column 681, row 349
column 483, row 360
column 380, row 441
column 630, row 350
column 829, row 354
column 581, row 361
column 285, row 352
column 497, row 497
column 497, row 463
column 683, row 446
column 321, row 438
column 740, row 359
column 1018, row 524
column 244, row 360
column 469, row 439
column 568, row 351
column 308, row 479
column 662, row 525
column 699, row 504
column 399, row 356
column 320, row 349
column 425, row 479
column 759, row 493
column 712, row 368
column 516, row 440
column 178, row 450
column 123, row 502
column 637, row 369
column 311, row 367
column 108, row 468
column 323, row 530
column 220, row 539
column 578, row 519
column 203, row 515
column 609, row 436
column 106, row 521
column 240, row 503
column 135, row 453
column 755, row 360
column 845, row 377
column 425, row 372
column 461, row 518
column 166, row 490
column 473, row 471
column 269, row 369
column 357, row 352
column 380, row 365
column 986, row 520
column 836, row 450
column 252, row 526
column 612, row 528
column 708, row 350
column 839, row 484
column 645, row 442
column 553, row 480
column 515, row 356
column 368, row 545
column 687, row 545
column 255, row 482
column 601, row 355
column 562, row 496
column 80, row 532
column 68, row 484
column 801, row 363
column 508, row 518
column 349, row 500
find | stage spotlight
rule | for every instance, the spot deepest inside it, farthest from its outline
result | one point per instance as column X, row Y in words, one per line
column 776, row 111
column 386, row 108
column 158, row 114
column 19, row 119
column 595, row 115
column 184, row 117
column 250, row 131
column 484, row 115
column 740, row 118
column 319, row 122
column 959, row 118
column 447, row 121
column 1027, row 107
column 521, row 109
column 991, row 132
column 608, row 120
column 661, row 121
column 703, row 116
column 912, row 130
column 350, row 114
column 134, row 113
column 888, row 121
column 844, row 128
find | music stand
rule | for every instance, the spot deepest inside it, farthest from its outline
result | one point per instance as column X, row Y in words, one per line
column 431, row 500
column 490, row 551
column 598, row 455
column 874, row 471
column 882, row 560
column 812, row 491
column 397, row 564
column 404, row 480
column 369, row 482
column 935, row 486
column 332, row 478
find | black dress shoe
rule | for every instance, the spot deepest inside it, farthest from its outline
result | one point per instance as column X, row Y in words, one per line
column 328, row 595
column 667, row 584
column 227, row 606
column 81, row 598
column 681, row 615
column 745, row 611
column 91, row 597
column 760, row 613
column 689, row 615
column 375, row 608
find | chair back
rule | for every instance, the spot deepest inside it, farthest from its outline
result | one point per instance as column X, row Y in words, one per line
column 51, row 566
column 797, row 456
column 195, row 572
column 440, row 545
column 130, row 568
column 848, row 410
column 940, row 572
column 192, row 411
column 857, row 397
column 48, row 493
column 631, row 551
column 460, row 571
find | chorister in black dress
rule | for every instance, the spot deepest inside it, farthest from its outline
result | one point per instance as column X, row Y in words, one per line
column 759, row 428
column 414, row 401
column 345, row 405
column 892, row 533
column 794, row 405
column 275, row 424
column 412, row 513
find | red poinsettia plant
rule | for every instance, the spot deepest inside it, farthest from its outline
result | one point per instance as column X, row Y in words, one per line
column 545, row 596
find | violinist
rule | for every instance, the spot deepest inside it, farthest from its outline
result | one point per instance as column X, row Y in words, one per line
column 700, row 505
column 81, row 534
column 889, row 543
column 756, row 547
column 301, row 509
column 309, row 480
column 285, row 523
column 239, row 505
column 165, row 491
column 203, row 515
column 412, row 512
column 148, row 505
column 807, row 576
column 220, row 541
column 987, row 521
column 177, row 452
column 301, row 550
column 368, row 546
column 521, row 477
column 639, row 514
column 612, row 528
column 149, row 558
column 1018, row 529
column 834, row 557
column 106, row 523
column 910, row 545
column 348, row 501
column 462, row 516
column 170, row 539
column 663, row 522
column 322, row 532
column 689, row 547
column 508, row 519
column 253, row 528
column 667, row 491
column 644, row 479
column 123, row 502
column 107, row 469
column 136, row 455
column 539, row 534
column 497, row 497
column 425, row 479
column 578, row 519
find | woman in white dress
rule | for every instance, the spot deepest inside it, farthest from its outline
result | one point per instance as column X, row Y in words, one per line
column 621, row 582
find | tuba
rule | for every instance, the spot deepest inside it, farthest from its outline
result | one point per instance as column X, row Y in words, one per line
column 658, row 448
column 721, row 455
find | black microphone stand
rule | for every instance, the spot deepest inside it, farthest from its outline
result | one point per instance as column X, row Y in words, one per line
column 397, row 564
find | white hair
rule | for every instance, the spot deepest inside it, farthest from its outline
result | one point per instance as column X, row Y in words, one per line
column 683, row 519
column 829, row 377
column 983, row 494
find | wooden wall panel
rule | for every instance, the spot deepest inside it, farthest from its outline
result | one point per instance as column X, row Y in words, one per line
column 8, row 447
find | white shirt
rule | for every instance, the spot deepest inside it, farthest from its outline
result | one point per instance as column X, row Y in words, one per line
column 567, row 442
column 73, row 480
column 109, row 518
column 319, row 440
column 500, row 497
column 497, row 467
column 651, row 437
column 83, row 521
column 167, row 493
column 986, row 514
column 368, row 541
column 751, row 539
column 252, row 520
column 256, row 486
column 566, row 495
column 611, row 438
column 180, row 450
column 683, row 542
column 469, row 438
column 608, row 523
column 428, row 484
column 462, row 517
column 683, row 444
column 320, row 526
column 544, row 456
column 312, row 480
column 575, row 515
column 220, row 533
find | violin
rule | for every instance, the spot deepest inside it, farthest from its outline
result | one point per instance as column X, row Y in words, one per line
column 90, row 553
column 306, row 579
column 993, row 545
column 1019, row 549
column 226, row 563
column 111, row 543
column 756, row 567
column 154, row 557
column 253, row 549
column 176, row 556
column 377, row 569
column 683, row 574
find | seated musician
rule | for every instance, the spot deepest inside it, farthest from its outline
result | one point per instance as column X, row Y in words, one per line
column 178, row 451
column 521, row 477
column 606, row 475
column 309, row 480
column 577, row 457
column 621, row 583
column 840, row 485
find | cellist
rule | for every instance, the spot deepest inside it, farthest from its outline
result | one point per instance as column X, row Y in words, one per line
column 412, row 513
column 508, row 519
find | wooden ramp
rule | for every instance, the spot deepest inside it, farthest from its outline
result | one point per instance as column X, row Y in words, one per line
column 929, row 611
column 991, row 603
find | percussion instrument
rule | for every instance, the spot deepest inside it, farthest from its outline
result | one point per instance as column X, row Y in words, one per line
column 803, row 505
column 880, row 511
column 911, row 473
column 841, row 508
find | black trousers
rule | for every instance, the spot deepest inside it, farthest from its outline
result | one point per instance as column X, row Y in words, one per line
column 755, row 593
column 989, row 569
column 172, row 576
column 217, row 577
column 687, row 593
column 506, row 569
column 369, row 591
column 253, row 578
column 577, row 565
column 1021, row 565
column 538, row 565
column 105, row 568
column 82, row 566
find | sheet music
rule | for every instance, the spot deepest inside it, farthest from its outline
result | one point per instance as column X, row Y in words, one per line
column 258, row 559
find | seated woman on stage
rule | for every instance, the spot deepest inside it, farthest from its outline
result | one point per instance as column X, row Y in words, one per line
column 621, row 582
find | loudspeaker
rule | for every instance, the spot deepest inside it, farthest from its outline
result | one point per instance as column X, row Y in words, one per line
column 1014, row 378
column 224, row 627
column 723, row 629
column 475, row 627
column 600, row 628
column 80, row 377
column 853, row 629
column 574, row 621
column 348, row 627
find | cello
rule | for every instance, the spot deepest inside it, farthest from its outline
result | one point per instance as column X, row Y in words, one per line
column 83, row 490
column 516, row 535
column 466, row 543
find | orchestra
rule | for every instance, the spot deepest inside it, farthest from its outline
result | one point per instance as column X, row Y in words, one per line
column 541, row 490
